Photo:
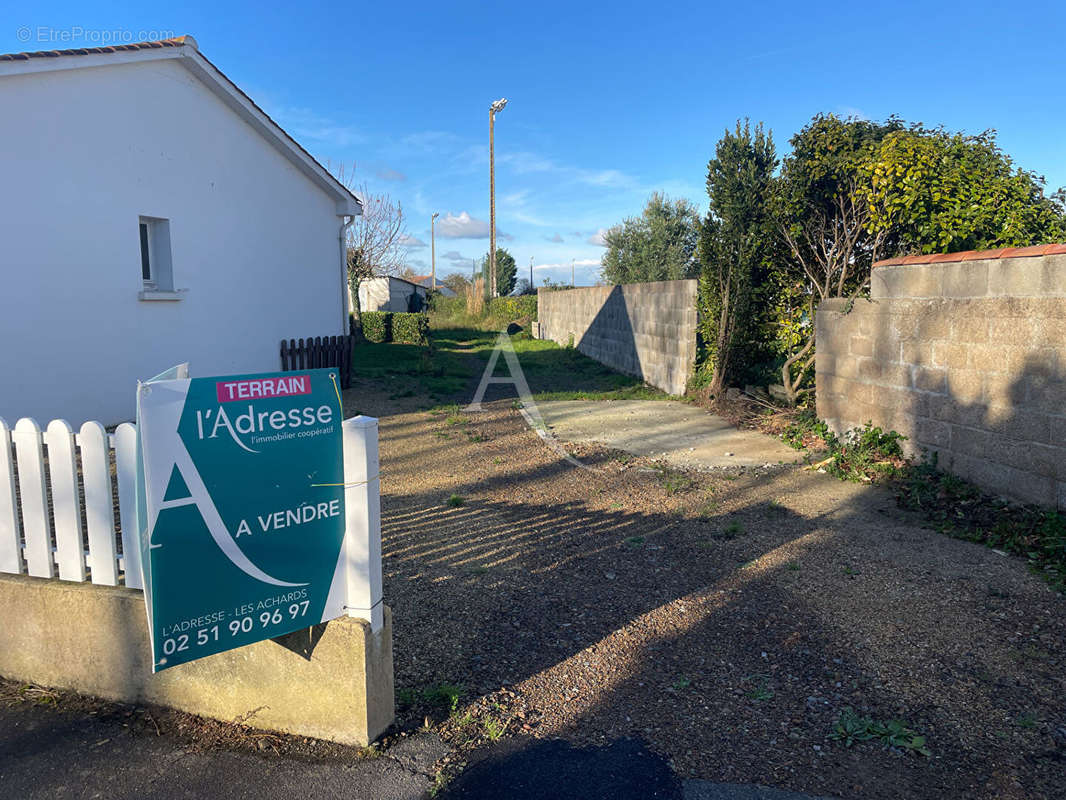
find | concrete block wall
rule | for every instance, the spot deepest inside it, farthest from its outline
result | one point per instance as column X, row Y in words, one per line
column 964, row 353
column 643, row 329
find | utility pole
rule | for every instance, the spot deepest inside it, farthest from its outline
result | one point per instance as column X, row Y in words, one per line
column 494, row 109
column 531, row 273
column 433, row 250
column 572, row 284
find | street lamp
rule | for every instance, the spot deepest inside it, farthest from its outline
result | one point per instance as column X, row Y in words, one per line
column 494, row 109
column 433, row 250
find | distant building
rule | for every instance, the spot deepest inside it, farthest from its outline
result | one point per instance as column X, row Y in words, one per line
column 427, row 281
column 391, row 294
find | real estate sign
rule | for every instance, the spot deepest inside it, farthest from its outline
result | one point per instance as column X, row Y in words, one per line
column 243, row 523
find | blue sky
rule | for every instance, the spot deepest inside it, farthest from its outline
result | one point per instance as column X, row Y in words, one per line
column 608, row 101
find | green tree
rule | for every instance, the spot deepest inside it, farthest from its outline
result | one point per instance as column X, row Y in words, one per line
column 659, row 245
column 506, row 271
column 825, row 224
column 737, row 245
column 853, row 191
column 939, row 192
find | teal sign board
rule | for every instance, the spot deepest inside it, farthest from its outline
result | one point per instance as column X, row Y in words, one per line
column 242, row 513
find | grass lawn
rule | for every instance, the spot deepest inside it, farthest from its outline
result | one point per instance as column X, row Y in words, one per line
column 448, row 370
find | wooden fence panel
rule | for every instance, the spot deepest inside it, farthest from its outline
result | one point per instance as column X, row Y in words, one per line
column 10, row 532
column 319, row 352
column 66, row 500
column 99, row 503
column 36, row 525
column 126, row 469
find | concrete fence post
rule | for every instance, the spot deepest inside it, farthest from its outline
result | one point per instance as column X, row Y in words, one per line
column 362, row 534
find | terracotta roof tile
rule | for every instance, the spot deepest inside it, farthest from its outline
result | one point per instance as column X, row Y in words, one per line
column 975, row 255
column 92, row 51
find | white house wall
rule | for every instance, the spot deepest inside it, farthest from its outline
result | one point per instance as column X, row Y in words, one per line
column 84, row 153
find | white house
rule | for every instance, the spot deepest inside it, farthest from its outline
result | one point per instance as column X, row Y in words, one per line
column 388, row 293
column 152, row 214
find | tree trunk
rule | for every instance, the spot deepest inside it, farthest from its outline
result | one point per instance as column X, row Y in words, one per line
column 356, row 327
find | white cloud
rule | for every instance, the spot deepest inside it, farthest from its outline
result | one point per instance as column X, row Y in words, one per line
column 597, row 238
column 556, row 239
column 305, row 124
column 387, row 174
column 525, row 162
column 454, row 256
column 464, row 226
column 411, row 242
column 580, row 262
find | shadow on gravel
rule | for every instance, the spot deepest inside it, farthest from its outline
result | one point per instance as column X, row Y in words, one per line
column 556, row 770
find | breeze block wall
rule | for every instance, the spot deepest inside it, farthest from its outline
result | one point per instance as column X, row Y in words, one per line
column 643, row 329
column 965, row 353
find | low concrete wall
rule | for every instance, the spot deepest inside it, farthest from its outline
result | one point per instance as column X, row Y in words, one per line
column 966, row 355
column 332, row 682
column 643, row 329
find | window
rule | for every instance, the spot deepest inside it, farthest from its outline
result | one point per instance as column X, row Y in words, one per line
column 146, row 258
column 157, row 274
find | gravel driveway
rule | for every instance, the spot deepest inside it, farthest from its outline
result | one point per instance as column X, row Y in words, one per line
column 726, row 619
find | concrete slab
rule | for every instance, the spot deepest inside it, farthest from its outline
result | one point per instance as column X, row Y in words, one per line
column 682, row 434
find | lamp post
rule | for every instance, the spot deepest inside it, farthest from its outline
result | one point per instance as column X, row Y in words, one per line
column 494, row 109
column 433, row 251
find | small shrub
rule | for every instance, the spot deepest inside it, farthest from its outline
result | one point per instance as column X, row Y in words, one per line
column 410, row 328
column 456, row 500
column 377, row 326
column 512, row 308
column 807, row 429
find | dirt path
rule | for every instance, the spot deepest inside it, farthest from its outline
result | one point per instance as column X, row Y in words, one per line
column 726, row 620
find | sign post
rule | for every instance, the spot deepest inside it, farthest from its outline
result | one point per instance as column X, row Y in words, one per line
column 242, row 535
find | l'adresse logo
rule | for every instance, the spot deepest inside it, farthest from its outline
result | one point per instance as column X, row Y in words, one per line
column 210, row 422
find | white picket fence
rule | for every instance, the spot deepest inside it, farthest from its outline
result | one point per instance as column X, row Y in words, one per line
column 58, row 516
column 58, row 510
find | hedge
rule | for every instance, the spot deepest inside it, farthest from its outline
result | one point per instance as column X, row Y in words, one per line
column 499, row 308
column 514, row 307
column 377, row 325
column 410, row 329
column 395, row 326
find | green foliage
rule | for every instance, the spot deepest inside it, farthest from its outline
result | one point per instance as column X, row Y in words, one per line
column 851, row 728
column 962, row 510
column 456, row 501
column 395, row 326
column 806, row 429
column 497, row 313
column 659, row 245
column 939, row 192
column 377, row 326
column 506, row 271
column 737, row 245
column 410, row 328
column 513, row 307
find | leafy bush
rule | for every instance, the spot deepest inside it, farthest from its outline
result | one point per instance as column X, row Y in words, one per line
column 447, row 306
column 396, row 326
column 866, row 453
column 512, row 308
column 377, row 325
column 410, row 328
column 807, row 429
